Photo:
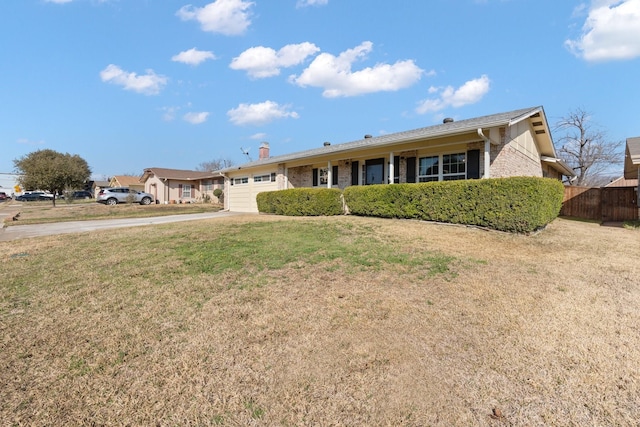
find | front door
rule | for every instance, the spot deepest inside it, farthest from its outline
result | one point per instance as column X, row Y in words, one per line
column 375, row 172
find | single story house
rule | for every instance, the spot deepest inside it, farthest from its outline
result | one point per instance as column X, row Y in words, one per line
column 514, row 143
column 623, row 182
column 181, row 186
column 96, row 186
column 632, row 162
column 132, row 182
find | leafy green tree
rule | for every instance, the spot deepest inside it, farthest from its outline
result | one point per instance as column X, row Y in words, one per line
column 51, row 171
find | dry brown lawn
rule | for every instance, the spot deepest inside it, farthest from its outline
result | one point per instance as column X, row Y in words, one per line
column 44, row 211
column 489, row 329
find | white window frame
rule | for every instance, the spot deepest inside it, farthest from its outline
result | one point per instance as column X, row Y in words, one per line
column 452, row 176
column 240, row 181
column 186, row 191
column 262, row 178
column 441, row 174
column 429, row 177
column 323, row 177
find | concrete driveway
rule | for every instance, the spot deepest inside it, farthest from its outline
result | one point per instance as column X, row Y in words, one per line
column 16, row 232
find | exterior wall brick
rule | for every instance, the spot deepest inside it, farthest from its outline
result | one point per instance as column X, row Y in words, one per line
column 280, row 177
column 300, row 177
column 344, row 174
column 507, row 161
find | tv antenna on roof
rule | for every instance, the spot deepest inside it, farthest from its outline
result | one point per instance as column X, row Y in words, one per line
column 246, row 153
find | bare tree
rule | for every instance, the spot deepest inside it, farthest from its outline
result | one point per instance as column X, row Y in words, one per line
column 214, row 165
column 585, row 147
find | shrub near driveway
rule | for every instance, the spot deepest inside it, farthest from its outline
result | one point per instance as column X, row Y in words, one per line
column 301, row 202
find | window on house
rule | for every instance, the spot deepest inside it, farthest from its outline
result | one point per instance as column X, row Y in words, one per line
column 320, row 177
column 207, row 185
column 186, row 190
column 446, row 167
column 265, row 178
column 428, row 169
column 453, row 167
column 323, row 176
column 238, row 181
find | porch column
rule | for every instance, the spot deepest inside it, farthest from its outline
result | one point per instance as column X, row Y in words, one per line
column 487, row 158
column 329, row 174
column 391, row 169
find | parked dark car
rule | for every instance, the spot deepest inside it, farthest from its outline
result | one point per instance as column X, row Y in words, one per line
column 32, row 197
column 3, row 196
column 82, row 195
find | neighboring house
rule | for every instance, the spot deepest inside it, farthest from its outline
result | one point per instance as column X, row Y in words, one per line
column 96, row 186
column 632, row 163
column 132, row 182
column 623, row 182
column 515, row 143
column 181, row 186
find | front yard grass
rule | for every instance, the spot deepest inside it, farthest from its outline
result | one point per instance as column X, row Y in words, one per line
column 45, row 212
column 262, row 320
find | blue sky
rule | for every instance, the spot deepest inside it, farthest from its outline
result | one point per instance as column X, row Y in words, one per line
column 131, row 84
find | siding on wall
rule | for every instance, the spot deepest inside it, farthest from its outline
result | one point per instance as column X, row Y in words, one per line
column 242, row 197
column 517, row 154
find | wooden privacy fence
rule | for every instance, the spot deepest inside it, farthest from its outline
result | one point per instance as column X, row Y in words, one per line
column 606, row 204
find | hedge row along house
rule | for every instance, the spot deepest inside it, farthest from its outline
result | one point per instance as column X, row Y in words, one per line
column 515, row 143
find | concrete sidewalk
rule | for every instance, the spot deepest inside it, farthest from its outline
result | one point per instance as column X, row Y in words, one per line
column 16, row 232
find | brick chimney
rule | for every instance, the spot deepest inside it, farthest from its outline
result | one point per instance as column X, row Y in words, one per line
column 263, row 152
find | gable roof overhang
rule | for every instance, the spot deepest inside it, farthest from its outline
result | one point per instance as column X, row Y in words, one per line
column 560, row 166
column 177, row 174
column 452, row 131
column 632, row 158
column 124, row 180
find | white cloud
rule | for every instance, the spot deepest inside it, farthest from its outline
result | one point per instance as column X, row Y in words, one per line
column 334, row 74
column 169, row 113
column 469, row 93
column 196, row 118
column 261, row 62
column 147, row 84
column 260, row 114
column 193, row 56
column 305, row 3
column 228, row 17
column 610, row 32
column 260, row 136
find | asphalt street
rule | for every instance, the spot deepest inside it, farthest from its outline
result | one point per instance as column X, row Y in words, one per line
column 16, row 232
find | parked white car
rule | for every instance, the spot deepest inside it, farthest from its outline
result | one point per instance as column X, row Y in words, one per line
column 115, row 195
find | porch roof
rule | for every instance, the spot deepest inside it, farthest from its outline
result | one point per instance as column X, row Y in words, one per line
column 178, row 174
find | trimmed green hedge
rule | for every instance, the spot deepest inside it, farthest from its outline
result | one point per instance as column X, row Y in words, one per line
column 301, row 202
column 520, row 204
